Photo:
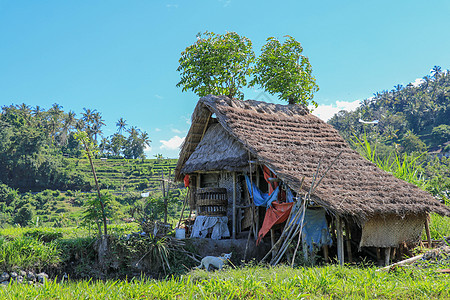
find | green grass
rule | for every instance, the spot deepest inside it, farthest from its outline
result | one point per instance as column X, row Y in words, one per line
column 329, row 282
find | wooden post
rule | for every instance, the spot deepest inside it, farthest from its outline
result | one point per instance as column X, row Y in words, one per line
column 349, row 247
column 387, row 256
column 164, row 196
column 305, row 249
column 340, row 240
column 272, row 242
column 427, row 231
column 325, row 253
column 234, row 206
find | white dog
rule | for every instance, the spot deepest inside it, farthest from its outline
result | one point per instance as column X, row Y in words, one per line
column 216, row 262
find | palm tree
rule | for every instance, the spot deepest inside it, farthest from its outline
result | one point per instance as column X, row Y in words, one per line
column 68, row 123
column 436, row 71
column 97, row 124
column 121, row 125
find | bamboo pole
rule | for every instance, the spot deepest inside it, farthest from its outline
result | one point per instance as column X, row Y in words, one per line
column 163, row 188
column 184, row 206
column 348, row 243
column 387, row 256
column 403, row 262
column 340, row 240
column 427, row 231
column 234, row 207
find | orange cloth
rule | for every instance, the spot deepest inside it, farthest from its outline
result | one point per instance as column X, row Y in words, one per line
column 276, row 214
column 186, row 181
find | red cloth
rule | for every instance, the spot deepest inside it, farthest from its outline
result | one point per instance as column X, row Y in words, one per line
column 268, row 174
column 186, row 181
column 276, row 214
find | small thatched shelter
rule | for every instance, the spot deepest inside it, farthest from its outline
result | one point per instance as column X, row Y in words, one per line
column 379, row 210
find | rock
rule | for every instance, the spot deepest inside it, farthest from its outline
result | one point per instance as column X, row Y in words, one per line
column 31, row 276
column 30, row 282
column 4, row 277
column 13, row 275
column 23, row 274
column 42, row 277
column 4, row 283
column 19, row 279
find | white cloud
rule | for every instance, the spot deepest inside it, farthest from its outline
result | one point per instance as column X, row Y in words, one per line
column 147, row 150
column 159, row 97
column 177, row 131
column 157, row 129
column 172, row 144
column 325, row 112
column 417, row 82
column 172, row 5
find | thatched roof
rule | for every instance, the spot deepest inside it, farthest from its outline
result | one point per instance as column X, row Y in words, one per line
column 291, row 142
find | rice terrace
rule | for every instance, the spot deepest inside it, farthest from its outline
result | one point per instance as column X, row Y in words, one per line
column 144, row 156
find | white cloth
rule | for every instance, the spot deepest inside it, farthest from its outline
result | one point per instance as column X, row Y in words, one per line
column 218, row 224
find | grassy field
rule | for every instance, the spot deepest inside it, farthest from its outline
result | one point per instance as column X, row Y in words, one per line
column 328, row 282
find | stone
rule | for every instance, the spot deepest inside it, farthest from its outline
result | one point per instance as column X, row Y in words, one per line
column 23, row 273
column 19, row 279
column 4, row 283
column 42, row 277
column 4, row 277
column 30, row 282
column 31, row 276
column 13, row 275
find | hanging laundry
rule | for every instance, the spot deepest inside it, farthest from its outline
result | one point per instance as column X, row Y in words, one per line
column 260, row 198
column 276, row 214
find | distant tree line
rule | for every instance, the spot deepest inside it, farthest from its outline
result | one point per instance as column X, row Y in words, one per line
column 411, row 118
column 34, row 143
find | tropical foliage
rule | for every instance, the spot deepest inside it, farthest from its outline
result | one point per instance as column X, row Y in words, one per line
column 220, row 65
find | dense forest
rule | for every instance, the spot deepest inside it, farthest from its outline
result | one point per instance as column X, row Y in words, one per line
column 411, row 122
column 35, row 144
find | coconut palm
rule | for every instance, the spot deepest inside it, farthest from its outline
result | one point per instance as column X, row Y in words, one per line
column 121, row 125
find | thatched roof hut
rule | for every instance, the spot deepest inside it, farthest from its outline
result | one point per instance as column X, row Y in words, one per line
column 291, row 141
column 226, row 133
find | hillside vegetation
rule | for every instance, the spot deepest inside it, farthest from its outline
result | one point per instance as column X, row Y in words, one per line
column 406, row 124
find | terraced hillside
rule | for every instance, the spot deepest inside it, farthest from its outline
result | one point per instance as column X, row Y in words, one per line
column 126, row 174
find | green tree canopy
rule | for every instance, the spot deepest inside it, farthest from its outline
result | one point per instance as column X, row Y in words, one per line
column 216, row 64
column 282, row 69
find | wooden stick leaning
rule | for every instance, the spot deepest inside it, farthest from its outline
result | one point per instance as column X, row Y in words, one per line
column 251, row 209
column 184, row 206
column 293, row 224
column 288, row 237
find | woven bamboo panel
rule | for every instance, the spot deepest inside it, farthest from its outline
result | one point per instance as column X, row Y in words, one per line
column 391, row 230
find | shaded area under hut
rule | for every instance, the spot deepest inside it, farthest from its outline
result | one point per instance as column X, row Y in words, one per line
column 307, row 182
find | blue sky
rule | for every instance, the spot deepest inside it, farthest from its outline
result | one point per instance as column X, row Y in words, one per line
column 120, row 57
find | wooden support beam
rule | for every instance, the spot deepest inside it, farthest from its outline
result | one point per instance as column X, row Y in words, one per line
column 234, row 206
column 305, row 249
column 272, row 242
column 348, row 242
column 340, row 240
column 387, row 256
column 325, row 253
column 427, row 231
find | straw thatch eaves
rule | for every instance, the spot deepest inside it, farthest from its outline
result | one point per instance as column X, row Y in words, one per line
column 291, row 142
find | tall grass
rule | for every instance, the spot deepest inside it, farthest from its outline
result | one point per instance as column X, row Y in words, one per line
column 329, row 282
column 406, row 167
column 27, row 253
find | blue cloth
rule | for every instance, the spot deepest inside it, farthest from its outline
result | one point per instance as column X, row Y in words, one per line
column 260, row 198
column 315, row 229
